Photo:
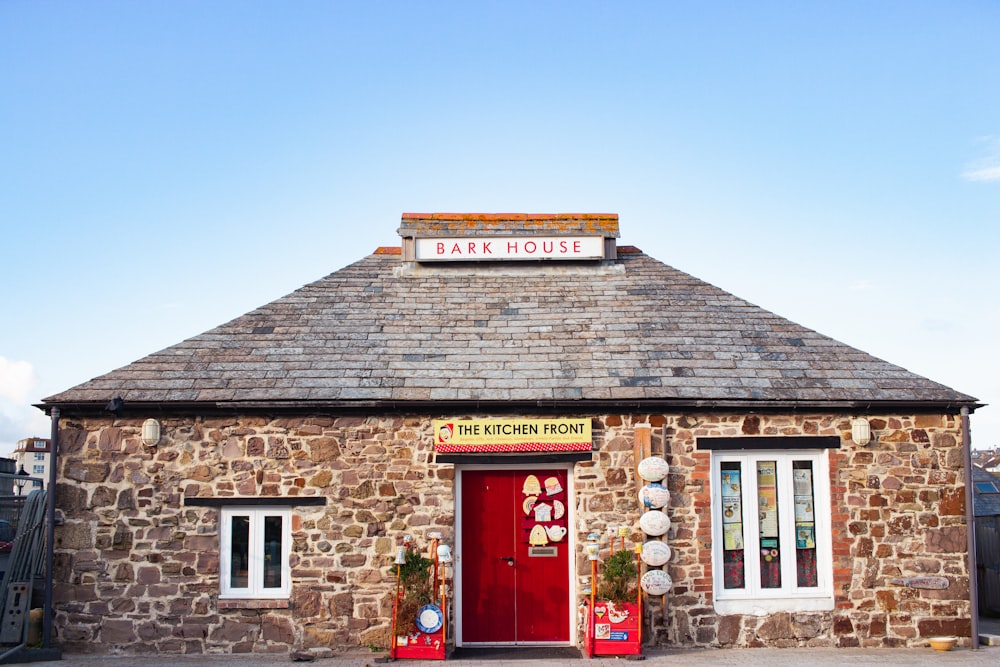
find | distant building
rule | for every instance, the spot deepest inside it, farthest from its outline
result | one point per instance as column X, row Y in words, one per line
column 986, row 501
column 986, row 458
column 986, row 496
column 32, row 455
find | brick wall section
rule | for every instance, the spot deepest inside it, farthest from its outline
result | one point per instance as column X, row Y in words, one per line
column 137, row 569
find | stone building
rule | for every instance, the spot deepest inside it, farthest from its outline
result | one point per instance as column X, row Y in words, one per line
column 246, row 489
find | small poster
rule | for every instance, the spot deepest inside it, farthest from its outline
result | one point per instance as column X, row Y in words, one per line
column 805, row 536
column 732, row 511
column 802, row 482
column 803, row 509
column 767, row 498
column 769, row 523
column 730, row 483
column 766, row 474
column 732, row 536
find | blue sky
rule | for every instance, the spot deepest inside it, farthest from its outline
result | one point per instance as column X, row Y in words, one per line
column 166, row 166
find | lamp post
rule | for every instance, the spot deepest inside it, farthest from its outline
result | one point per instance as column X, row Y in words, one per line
column 20, row 481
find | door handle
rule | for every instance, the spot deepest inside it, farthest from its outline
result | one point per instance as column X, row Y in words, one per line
column 509, row 559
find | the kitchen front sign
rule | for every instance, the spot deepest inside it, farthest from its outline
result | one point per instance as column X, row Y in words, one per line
column 512, row 435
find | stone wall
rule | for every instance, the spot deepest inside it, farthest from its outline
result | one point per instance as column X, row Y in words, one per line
column 898, row 510
column 137, row 569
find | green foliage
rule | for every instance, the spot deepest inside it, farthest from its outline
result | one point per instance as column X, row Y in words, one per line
column 415, row 582
column 415, row 574
column 619, row 578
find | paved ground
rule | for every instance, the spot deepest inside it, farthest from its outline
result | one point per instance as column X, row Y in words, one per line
column 715, row 658
column 988, row 655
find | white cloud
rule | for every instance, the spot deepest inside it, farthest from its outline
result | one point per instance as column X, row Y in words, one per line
column 18, row 418
column 17, row 422
column 986, row 169
column 17, row 379
column 982, row 174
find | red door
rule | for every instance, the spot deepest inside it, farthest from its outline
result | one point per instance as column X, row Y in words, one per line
column 515, row 557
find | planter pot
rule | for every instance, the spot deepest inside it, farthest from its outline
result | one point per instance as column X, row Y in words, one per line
column 615, row 627
column 416, row 645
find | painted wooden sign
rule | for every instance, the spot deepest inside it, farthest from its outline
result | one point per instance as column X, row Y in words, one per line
column 932, row 583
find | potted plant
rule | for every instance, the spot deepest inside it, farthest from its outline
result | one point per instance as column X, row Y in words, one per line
column 415, row 587
column 418, row 619
column 614, row 628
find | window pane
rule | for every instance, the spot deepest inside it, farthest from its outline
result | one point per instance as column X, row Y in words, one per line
column 240, row 552
column 733, row 575
column 272, row 552
column 805, row 524
column 767, row 505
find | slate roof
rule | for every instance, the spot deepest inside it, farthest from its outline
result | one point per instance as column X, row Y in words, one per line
column 985, row 504
column 630, row 330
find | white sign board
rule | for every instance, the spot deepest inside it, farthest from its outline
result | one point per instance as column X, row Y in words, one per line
column 479, row 248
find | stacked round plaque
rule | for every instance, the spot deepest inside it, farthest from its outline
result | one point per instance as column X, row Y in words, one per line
column 655, row 523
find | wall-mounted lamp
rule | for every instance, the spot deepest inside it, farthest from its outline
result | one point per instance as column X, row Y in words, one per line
column 150, row 432
column 861, row 431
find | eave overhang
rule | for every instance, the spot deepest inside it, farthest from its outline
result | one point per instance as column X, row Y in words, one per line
column 547, row 406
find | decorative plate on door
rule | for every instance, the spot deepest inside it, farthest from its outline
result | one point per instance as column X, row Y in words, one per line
column 558, row 509
column 552, row 486
column 538, row 536
column 531, row 486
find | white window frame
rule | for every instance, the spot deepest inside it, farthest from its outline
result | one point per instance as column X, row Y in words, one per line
column 753, row 599
column 255, row 589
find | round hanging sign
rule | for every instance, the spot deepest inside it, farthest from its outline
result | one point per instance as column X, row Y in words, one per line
column 656, row 582
column 654, row 495
column 655, row 553
column 653, row 469
column 654, row 522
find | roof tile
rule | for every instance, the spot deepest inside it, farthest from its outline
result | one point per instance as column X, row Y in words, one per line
column 635, row 328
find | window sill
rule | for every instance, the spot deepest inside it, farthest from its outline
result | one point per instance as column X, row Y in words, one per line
column 765, row 606
column 255, row 603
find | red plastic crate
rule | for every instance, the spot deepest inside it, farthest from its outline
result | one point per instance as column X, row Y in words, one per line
column 614, row 637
